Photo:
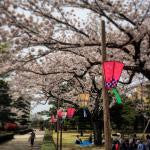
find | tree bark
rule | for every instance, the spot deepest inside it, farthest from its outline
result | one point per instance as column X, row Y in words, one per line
column 97, row 126
column 97, row 119
column 106, row 114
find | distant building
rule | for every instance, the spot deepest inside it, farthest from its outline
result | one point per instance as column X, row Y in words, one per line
column 141, row 92
column 140, row 96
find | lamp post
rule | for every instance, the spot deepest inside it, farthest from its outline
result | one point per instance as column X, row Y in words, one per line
column 70, row 112
column 64, row 114
column 52, row 122
column 57, row 145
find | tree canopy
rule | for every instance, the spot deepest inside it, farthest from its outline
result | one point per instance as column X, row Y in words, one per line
column 56, row 45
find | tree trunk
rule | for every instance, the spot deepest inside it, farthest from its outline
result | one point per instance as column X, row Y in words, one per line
column 77, row 128
column 96, row 118
column 97, row 126
column 81, row 132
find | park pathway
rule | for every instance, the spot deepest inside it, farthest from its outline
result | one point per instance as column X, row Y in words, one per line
column 20, row 142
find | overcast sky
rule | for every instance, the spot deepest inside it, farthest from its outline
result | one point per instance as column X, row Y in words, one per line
column 39, row 107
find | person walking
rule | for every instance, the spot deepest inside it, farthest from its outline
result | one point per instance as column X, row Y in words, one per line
column 32, row 137
column 125, row 145
column 116, row 145
column 90, row 138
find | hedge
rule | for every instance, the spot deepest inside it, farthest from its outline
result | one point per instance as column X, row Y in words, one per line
column 48, row 143
column 6, row 136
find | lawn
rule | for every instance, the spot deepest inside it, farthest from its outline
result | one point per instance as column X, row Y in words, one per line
column 70, row 136
column 69, row 141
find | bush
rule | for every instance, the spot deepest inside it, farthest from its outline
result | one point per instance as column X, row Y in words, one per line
column 23, row 131
column 6, row 136
column 48, row 143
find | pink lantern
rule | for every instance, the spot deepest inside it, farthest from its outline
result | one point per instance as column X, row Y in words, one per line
column 64, row 114
column 59, row 113
column 112, row 72
column 70, row 112
column 53, row 120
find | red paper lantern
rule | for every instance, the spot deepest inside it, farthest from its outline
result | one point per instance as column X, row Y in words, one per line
column 59, row 113
column 64, row 114
column 70, row 112
column 53, row 120
column 112, row 72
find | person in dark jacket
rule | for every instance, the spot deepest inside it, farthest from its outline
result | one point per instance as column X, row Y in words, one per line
column 32, row 138
column 90, row 138
column 78, row 140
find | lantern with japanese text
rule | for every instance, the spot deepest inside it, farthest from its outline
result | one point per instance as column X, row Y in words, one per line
column 112, row 71
column 70, row 112
column 84, row 99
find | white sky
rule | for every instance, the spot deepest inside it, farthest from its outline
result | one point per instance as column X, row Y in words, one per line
column 39, row 107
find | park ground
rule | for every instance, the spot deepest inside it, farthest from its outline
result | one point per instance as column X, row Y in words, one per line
column 69, row 137
column 20, row 142
column 68, row 141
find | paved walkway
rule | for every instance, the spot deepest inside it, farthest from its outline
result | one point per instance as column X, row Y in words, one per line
column 20, row 142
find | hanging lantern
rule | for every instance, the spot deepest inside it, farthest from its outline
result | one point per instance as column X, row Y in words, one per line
column 64, row 115
column 84, row 98
column 70, row 112
column 112, row 72
column 59, row 113
column 53, row 120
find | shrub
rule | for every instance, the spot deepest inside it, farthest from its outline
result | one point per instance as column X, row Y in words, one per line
column 48, row 143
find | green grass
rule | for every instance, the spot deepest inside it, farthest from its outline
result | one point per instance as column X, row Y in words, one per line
column 48, row 143
column 68, row 141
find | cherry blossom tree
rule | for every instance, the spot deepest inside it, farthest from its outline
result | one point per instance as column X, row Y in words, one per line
column 62, row 77
column 55, row 46
column 62, row 25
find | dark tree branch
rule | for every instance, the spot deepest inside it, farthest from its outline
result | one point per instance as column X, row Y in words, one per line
column 137, row 69
column 129, row 80
column 64, row 100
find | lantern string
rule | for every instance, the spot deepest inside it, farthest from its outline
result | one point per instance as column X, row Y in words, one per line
column 116, row 93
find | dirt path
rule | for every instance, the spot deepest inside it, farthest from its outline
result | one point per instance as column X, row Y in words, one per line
column 20, row 142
